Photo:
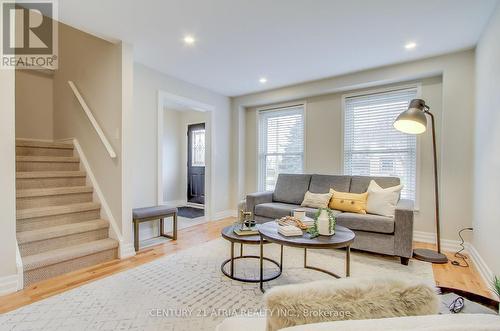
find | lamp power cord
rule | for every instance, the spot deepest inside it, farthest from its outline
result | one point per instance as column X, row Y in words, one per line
column 458, row 254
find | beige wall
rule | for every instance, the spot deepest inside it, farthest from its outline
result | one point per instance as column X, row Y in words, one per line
column 323, row 142
column 147, row 84
column 34, row 104
column 8, row 270
column 452, row 99
column 175, row 151
column 95, row 66
column 487, row 158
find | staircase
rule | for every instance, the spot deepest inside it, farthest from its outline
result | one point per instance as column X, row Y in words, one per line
column 59, row 228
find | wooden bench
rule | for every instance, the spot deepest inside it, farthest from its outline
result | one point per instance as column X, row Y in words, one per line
column 152, row 214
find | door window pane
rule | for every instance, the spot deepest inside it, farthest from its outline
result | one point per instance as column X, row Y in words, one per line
column 198, row 148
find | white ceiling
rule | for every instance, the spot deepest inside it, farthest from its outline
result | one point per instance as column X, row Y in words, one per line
column 287, row 41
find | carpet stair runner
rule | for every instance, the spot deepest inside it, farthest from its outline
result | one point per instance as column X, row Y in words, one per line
column 59, row 227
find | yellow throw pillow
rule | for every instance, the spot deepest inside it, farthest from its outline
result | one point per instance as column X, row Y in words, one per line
column 350, row 202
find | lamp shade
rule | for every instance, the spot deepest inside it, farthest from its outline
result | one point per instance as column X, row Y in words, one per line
column 413, row 119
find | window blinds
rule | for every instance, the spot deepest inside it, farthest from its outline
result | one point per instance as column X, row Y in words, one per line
column 281, row 144
column 372, row 146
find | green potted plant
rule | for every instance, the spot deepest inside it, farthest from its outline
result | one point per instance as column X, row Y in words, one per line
column 495, row 286
column 324, row 223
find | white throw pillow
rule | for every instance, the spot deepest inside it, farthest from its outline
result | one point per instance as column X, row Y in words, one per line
column 382, row 201
column 316, row 200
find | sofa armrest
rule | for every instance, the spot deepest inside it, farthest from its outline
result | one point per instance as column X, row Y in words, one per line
column 403, row 228
column 257, row 198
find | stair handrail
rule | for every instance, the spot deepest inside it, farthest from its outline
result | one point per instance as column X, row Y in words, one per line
column 92, row 120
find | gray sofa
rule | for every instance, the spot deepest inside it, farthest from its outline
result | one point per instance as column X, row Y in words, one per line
column 374, row 233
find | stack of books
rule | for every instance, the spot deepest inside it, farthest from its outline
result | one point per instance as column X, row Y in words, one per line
column 289, row 230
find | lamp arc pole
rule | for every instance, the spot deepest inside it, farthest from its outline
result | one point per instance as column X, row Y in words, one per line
column 413, row 121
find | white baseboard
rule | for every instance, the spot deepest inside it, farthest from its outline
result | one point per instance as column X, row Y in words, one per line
column 429, row 237
column 9, row 284
column 175, row 203
column 481, row 266
column 194, row 205
column 20, row 268
column 224, row 214
column 126, row 250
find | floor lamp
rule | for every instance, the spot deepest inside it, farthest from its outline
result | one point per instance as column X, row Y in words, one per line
column 414, row 121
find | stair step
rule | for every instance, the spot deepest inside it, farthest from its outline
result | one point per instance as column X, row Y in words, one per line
column 49, row 174
column 35, row 223
column 41, row 192
column 59, row 261
column 55, row 237
column 56, row 210
column 42, row 144
column 55, row 196
column 47, row 159
column 43, row 148
column 47, row 163
column 48, row 179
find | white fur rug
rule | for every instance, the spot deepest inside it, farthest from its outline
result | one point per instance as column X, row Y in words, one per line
column 187, row 291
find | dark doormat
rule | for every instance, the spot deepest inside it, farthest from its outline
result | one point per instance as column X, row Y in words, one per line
column 190, row 212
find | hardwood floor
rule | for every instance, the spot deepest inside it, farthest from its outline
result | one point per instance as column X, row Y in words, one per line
column 445, row 275
column 465, row 278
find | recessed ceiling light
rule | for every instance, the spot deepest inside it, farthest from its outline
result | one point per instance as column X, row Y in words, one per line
column 189, row 40
column 263, row 80
column 411, row 45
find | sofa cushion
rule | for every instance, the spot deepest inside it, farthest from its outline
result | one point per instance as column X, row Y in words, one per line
column 323, row 183
column 366, row 222
column 291, row 188
column 359, row 184
column 278, row 210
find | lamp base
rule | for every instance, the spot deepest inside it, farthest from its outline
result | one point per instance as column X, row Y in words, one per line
column 428, row 255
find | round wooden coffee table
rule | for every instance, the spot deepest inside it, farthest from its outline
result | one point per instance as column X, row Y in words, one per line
column 343, row 238
column 228, row 234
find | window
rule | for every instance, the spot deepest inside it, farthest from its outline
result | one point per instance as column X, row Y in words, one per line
column 372, row 147
column 198, row 148
column 281, row 144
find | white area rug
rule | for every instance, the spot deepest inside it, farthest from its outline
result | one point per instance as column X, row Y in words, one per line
column 187, row 291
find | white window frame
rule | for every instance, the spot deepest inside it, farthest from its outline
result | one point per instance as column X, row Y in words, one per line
column 418, row 87
column 260, row 166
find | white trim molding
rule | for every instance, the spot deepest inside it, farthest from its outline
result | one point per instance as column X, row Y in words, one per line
column 20, row 268
column 126, row 250
column 209, row 152
column 175, row 203
column 430, row 238
column 224, row 214
column 9, row 284
column 481, row 266
column 123, row 251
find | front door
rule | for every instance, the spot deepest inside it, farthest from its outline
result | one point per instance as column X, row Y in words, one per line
column 196, row 163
